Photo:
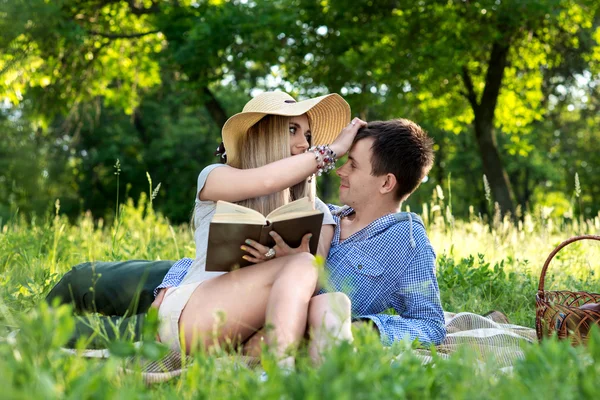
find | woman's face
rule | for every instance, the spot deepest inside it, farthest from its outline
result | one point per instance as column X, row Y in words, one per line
column 300, row 135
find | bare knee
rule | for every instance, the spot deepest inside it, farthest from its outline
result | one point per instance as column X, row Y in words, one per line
column 340, row 300
column 328, row 308
column 337, row 300
column 303, row 258
column 302, row 269
column 298, row 276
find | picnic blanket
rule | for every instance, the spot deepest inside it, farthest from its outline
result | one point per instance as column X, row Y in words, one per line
column 491, row 336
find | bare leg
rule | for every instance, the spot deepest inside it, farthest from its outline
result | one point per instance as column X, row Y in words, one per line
column 253, row 346
column 231, row 307
column 329, row 319
column 328, row 323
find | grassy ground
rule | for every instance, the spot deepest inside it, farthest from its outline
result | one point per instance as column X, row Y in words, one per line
column 481, row 266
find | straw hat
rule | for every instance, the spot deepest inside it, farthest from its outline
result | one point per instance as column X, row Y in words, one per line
column 327, row 114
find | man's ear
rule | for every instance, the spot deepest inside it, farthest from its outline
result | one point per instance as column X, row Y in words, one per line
column 389, row 184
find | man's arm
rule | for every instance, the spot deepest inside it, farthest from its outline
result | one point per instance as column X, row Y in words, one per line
column 417, row 302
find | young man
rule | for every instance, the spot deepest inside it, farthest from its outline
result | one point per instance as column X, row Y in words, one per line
column 380, row 258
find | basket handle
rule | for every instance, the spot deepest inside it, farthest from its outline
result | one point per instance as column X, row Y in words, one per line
column 556, row 250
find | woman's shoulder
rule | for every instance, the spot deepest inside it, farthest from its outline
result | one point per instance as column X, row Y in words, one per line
column 203, row 175
column 210, row 167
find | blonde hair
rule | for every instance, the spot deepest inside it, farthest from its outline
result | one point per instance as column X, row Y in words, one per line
column 265, row 142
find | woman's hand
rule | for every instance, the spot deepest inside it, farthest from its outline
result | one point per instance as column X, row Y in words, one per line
column 159, row 298
column 257, row 252
column 344, row 141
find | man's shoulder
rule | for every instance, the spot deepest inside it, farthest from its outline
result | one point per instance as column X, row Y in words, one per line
column 407, row 222
column 410, row 231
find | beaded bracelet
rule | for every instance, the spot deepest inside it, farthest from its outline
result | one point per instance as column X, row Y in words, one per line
column 325, row 157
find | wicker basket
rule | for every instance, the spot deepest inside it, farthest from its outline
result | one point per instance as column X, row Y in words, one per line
column 559, row 311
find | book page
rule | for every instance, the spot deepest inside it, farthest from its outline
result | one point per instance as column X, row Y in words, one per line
column 227, row 212
column 302, row 205
column 294, row 215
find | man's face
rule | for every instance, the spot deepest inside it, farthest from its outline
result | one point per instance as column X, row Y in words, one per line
column 358, row 186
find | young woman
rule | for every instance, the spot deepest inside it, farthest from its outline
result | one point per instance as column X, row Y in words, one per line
column 266, row 167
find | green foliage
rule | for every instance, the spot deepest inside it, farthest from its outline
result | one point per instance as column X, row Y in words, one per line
column 33, row 256
column 166, row 138
column 476, row 287
column 84, row 83
column 151, row 82
column 66, row 54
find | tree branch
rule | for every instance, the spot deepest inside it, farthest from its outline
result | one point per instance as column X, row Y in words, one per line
column 470, row 94
column 17, row 58
column 122, row 36
column 216, row 111
column 141, row 10
column 493, row 80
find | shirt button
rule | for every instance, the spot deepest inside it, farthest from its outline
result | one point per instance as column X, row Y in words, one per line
column 359, row 266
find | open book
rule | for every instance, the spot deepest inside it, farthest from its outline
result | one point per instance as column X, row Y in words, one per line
column 232, row 224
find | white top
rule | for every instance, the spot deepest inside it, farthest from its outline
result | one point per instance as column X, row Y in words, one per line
column 204, row 211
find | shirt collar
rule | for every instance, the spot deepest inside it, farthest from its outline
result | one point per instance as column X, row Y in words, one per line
column 376, row 226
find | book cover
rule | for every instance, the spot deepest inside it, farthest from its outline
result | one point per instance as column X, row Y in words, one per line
column 226, row 236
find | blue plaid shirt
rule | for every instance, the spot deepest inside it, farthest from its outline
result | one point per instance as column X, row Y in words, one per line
column 175, row 274
column 389, row 264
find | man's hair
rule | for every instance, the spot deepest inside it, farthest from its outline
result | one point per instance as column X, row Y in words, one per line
column 402, row 148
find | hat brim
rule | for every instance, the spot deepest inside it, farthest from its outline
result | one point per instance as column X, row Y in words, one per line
column 328, row 115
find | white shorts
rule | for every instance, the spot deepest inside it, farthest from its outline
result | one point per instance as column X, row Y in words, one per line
column 170, row 311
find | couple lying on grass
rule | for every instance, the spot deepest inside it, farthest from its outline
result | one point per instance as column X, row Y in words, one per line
column 377, row 258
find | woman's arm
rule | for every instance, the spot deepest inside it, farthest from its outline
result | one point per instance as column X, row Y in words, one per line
column 327, row 230
column 233, row 184
column 325, row 239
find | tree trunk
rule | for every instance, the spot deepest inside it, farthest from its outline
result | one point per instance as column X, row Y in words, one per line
column 484, row 111
column 139, row 126
column 440, row 172
column 493, row 167
column 214, row 108
column 527, row 192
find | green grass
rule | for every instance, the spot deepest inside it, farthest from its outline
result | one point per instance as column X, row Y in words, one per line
column 481, row 266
